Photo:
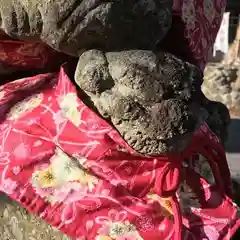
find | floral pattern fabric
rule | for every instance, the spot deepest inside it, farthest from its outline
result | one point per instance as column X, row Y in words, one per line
column 64, row 163
column 201, row 19
column 22, row 55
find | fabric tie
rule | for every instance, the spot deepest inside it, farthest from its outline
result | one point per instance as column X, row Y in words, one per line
column 204, row 143
column 166, row 186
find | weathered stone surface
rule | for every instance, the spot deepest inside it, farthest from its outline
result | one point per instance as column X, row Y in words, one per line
column 217, row 117
column 222, row 83
column 18, row 224
column 74, row 25
column 148, row 97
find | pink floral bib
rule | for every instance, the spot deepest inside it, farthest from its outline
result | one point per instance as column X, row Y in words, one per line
column 64, row 163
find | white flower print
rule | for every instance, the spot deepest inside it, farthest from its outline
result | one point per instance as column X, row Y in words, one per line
column 4, row 158
column 25, row 106
column 66, row 193
column 67, row 169
column 188, row 13
column 63, row 177
column 16, row 170
column 209, row 10
column 21, row 152
column 69, row 108
column 116, row 227
column 8, row 186
column 59, row 118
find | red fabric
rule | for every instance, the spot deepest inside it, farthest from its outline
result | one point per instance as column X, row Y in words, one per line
column 22, row 55
column 63, row 162
column 194, row 29
column 66, row 164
